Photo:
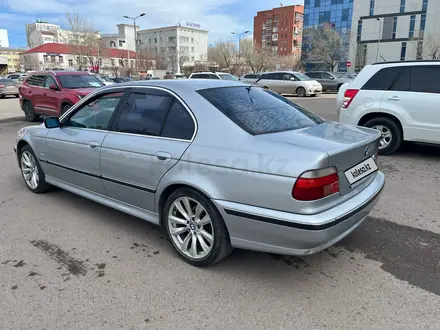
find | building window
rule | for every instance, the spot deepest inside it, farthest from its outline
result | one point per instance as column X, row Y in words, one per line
column 45, row 59
column 359, row 30
column 172, row 48
column 163, row 49
column 52, row 59
column 425, row 5
column 172, row 39
column 112, row 44
column 412, row 23
column 403, row 51
column 112, row 61
column 121, row 43
column 345, row 14
column 155, row 40
column 402, row 6
column 317, row 3
column 192, row 49
column 160, row 39
column 371, row 7
column 394, row 27
column 422, row 22
column 70, row 62
column 149, row 40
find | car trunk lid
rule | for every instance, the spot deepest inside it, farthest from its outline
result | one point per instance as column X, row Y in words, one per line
column 346, row 146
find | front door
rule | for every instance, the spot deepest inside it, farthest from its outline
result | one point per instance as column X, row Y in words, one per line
column 327, row 81
column 72, row 151
column 416, row 97
column 149, row 135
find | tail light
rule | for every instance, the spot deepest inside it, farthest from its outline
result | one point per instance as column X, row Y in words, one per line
column 349, row 96
column 316, row 184
column 2, row 86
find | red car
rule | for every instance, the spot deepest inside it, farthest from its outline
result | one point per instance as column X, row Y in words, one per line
column 52, row 93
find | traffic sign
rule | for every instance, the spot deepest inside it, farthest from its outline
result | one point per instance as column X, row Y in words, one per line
column 348, row 64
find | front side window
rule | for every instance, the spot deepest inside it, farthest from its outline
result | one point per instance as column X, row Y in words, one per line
column 49, row 81
column 36, row 80
column 79, row 81
column 213, row 76
column 257, row 111
column 227, row 77
column 144, row 113
column 425, row 79
column 96, row 113
column 325, row 75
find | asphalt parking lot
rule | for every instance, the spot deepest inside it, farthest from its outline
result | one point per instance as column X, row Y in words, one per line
column 68, row 263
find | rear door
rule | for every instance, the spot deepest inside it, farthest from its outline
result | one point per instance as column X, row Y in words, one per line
column 415, row 95
column 149, row 135
column 50, row 100
column 36, row 92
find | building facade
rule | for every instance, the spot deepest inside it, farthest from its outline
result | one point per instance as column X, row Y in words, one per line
column 394, row 30
column 124, row 39
column 52, row 56
column 336, row 13
column 175, row 47
column 10, row 60
column 280, row 29
column 4, row 40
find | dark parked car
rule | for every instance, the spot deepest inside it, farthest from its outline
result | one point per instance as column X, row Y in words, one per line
column 119, row 80
column 328, row 80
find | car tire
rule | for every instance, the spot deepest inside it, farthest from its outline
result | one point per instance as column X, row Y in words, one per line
column 17, row 96
column 65, row 108
column 337, row 88
column 200, row 235
column 392, row 136
column 301, row 92
column 32, row 172
column 29, row 112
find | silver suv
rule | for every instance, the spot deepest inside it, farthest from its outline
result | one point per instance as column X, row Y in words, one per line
column 212, row 75
column 329, row 80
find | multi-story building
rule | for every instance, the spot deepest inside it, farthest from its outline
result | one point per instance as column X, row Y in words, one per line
column 394, row 30
column 335, row 13
column 52, row 56
column 281, row 29
column 10, row 59
column 175, row 47
column 124, row 39
column 4, row 41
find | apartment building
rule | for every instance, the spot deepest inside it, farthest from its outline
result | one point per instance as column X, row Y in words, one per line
column 10, row 59
column 124, row 39
column 281, row 29
column 175, row 47
column 394, row 30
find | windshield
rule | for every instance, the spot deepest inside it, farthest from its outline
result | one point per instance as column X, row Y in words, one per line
column 6, row 81
column 227, row 77
column 77, row 81
column 258, row 111
column 302, row 76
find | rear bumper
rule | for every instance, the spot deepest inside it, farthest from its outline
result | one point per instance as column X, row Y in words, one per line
column 8, row 91
column 272, row 231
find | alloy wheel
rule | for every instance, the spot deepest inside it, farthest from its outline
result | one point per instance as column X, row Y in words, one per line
column 29, row 169
column 386, row 137
column 191, row 228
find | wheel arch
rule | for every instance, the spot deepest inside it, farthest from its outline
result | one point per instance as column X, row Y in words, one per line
column 372, row 115
column 65, row 102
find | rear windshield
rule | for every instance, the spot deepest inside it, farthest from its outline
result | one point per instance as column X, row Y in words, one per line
column 258, row 111
column 77, row 81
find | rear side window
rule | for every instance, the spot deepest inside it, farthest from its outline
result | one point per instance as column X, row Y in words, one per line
column 200, row 76
column 36, row 80
column 213, row 76
column 383, row 79
column 257, row 111
column 403, row 81
column 179, row 124
column 425, row 79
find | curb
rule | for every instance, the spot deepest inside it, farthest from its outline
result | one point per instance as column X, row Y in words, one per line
column 8, row 120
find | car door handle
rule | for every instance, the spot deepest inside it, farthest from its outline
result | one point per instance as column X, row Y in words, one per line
column 163, row 156
column 394, row 98
column 93, row 144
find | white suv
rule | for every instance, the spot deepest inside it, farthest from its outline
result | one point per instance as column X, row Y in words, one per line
column 400, row 99
column 212, row 75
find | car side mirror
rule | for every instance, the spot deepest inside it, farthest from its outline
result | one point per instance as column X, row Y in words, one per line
column 53, row 87
column 292, row 78
column 52, row 122
column 332, row 78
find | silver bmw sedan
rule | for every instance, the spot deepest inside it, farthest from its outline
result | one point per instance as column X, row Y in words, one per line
column 217, row 164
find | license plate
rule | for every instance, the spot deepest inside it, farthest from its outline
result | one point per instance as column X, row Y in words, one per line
column 10, row 86
column 361, row 170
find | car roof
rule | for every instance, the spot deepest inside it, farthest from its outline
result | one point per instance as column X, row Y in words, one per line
column 286, row 71
column 181, row 85
column 63, row 73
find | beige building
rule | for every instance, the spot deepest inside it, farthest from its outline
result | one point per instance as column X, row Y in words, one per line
column 10, row 59
column 50, row 56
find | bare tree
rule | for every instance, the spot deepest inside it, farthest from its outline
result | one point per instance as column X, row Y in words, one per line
column 182, row 60
column 258, row 59
column 223, row 54
column 325, row 43
column 145, row 60
column 428, row 49
column 83, row 38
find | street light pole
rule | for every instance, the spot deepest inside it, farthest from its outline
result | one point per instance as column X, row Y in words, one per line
column 135, row 40
column 239, row 43
column 378, row 39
